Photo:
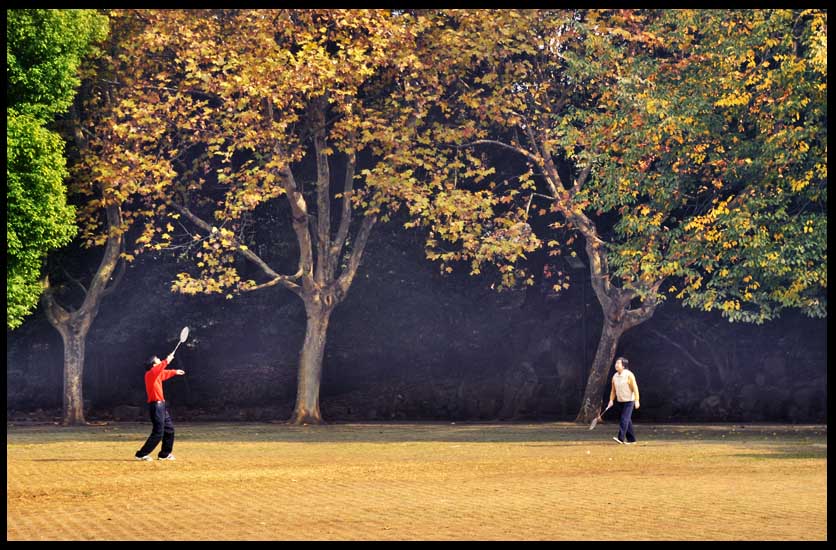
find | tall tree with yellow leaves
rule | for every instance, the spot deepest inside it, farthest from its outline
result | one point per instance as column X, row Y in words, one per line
column 220, row 117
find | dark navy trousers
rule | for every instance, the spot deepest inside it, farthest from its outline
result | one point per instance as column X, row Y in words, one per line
column 162, row 428
column 625, row 428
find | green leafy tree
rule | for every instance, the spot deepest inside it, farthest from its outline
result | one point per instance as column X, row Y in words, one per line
column 38, row 217
column 44, row 51
column 686, row 148
column 97, row 212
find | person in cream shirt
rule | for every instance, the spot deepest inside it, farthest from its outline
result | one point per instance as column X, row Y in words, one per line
column 625, row 390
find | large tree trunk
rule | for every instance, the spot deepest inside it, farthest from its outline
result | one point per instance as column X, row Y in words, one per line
column 321, row 255
column 310, row 366
column 597, row 381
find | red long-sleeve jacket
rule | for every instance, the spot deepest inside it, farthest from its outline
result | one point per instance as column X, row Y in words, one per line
column 154, row 380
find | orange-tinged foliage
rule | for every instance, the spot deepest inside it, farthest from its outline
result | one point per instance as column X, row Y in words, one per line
column 216, row 111
column 665, row 138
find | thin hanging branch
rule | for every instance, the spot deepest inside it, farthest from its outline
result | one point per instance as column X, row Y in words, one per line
column 275, row 278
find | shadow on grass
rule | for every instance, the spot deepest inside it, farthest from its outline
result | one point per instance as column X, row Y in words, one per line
column 400, row 432
column 783, row 453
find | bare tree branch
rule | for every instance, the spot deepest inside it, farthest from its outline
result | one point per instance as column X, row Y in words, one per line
column 638, row 316
column 74, row 280
column 299, row 212
column 516, row 149
column 599, row 273
column 276, row 278
column 581, row 179
column 345, row 219
column 56, row 314
column 682, row 348
column 323, row 197
column 114, row 282
column 109, row 261
column 344, row 281
column 554, row 181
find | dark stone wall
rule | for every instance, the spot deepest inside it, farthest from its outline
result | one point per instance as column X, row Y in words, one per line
column 410, row 344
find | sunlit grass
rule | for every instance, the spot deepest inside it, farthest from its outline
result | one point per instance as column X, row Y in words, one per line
column 429, row 481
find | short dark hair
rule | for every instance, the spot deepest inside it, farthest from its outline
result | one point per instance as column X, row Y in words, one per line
column 149, row 362
column 624, row 361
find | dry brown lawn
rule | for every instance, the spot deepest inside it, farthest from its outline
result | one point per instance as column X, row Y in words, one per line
column 426, row 481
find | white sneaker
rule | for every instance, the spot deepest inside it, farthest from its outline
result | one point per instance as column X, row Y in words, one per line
column 146, row 457
column 169, row 457
column 629, row 442
column 618, row 440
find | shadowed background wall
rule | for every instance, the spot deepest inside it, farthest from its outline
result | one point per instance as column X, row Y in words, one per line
column 409, row 344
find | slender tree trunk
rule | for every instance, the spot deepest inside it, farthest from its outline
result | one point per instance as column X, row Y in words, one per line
column 310, row 366
column 74, row 334
column 615, row 301
column 597, row 382
column 618, row 319
column 74, row 325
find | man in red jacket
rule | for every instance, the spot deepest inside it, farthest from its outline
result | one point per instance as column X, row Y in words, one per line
column 162, row 426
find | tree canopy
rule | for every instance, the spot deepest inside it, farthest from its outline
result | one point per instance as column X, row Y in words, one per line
column 44, row 52
column 223, row 108
column 687, row 147
column 683, row 150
